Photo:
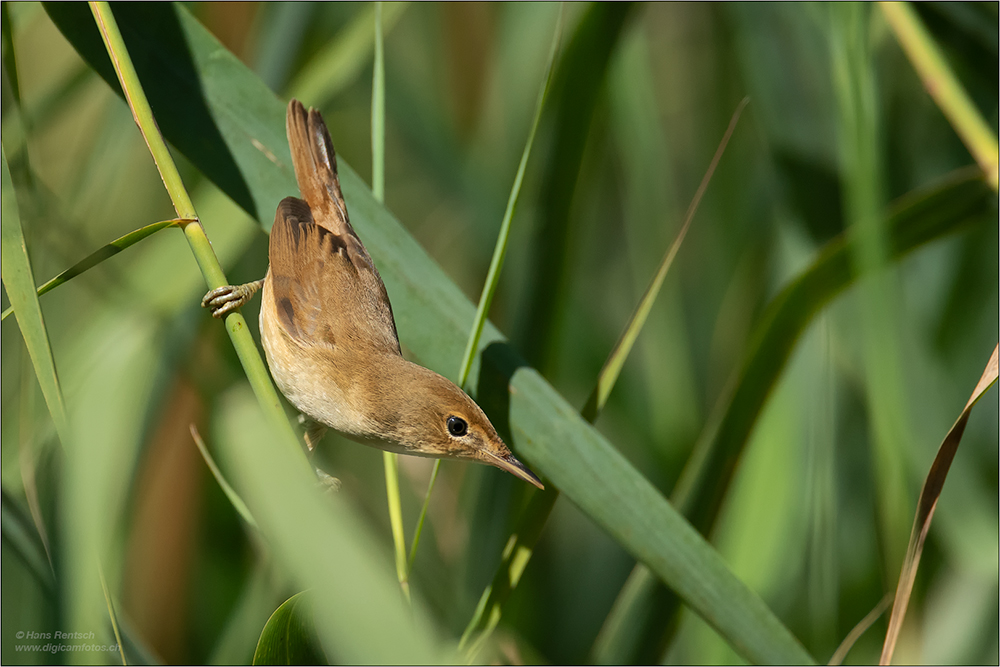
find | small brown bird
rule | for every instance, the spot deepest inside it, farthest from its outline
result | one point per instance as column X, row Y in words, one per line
column 328, row 331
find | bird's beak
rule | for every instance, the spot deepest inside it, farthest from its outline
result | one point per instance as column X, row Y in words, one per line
column 514, row 467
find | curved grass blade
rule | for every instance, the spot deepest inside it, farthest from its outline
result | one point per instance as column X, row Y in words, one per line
column 929, row 495
column 942, row 85
column 962, row 198
column 612, row 367
column 522, row 543
column 234, row 498
column 496, row 262
column 339, row 62
column 20, row 284
column 289, row 637
column 103, row 253
column 855, row 634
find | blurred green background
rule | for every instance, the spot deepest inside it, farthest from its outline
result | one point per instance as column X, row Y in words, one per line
column 804, row 523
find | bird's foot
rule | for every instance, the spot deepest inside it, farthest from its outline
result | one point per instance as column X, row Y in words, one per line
column 224, row 300
column 327, row 482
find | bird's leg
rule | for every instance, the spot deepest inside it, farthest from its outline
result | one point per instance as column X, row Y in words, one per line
column 224, row 300
column 314, row 432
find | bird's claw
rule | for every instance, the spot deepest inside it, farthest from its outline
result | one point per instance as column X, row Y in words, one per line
column 327, row 482
column 224, row 300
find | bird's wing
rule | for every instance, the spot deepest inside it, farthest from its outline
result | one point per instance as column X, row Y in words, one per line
column 326, row 290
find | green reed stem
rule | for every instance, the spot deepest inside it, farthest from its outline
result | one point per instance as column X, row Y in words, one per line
column 197, row 240
column 389, row 459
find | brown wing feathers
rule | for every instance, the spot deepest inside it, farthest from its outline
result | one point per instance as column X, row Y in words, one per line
column 298, row 253
column 325, row 283
column 315, row 163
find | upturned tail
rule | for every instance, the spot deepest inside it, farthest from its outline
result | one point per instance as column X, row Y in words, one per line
column 315, row 163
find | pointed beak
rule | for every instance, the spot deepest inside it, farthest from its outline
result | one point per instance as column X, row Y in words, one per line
column 514, row 467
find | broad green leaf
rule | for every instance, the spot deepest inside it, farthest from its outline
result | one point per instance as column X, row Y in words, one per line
column 289, row 637
column 20, row 284
column 231, row 114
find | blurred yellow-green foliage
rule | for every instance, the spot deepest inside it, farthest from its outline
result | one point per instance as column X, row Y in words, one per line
column 818, row 512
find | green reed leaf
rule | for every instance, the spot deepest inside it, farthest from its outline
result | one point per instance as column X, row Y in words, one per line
column 289, row 637
column 105, row 252
column 19, row 281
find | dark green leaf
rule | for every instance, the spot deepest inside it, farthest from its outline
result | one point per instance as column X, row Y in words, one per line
column 289, row 637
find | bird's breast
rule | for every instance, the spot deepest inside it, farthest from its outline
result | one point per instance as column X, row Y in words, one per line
column 319, row 382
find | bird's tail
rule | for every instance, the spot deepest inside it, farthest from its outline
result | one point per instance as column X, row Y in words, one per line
column 315, row 164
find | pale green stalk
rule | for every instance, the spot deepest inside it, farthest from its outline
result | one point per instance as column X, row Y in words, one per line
column 249, row 357
column 389, row 459
column 496, row 264
column 942, row 85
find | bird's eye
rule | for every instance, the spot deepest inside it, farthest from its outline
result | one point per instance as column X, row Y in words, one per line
column 457, row 426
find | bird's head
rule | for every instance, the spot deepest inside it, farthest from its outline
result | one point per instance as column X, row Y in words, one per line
column 433, row 417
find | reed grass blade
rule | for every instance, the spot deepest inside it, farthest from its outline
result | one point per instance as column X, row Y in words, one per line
column 19, row 281
column 929, row 494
